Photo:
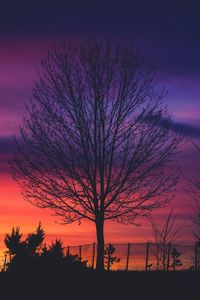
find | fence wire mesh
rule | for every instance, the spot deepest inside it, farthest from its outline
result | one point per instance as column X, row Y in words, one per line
column 140, row 256
column 137, row 256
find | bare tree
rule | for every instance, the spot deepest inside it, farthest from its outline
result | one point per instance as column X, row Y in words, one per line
column 164, row 237
column 194, row 192
column 96, row 143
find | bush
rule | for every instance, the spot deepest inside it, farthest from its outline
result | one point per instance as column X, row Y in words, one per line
column 31, row 255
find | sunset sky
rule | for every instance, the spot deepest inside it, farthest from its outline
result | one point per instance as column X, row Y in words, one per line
column 167, row 36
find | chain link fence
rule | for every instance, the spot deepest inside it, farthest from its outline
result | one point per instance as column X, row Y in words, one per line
column 137, row 256
column 142, row 256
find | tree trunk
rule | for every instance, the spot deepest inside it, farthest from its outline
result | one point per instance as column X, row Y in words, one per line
column 100, row 245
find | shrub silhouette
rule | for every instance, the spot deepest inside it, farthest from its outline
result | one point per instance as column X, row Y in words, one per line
column 13, row 241
column 31, row 255
column 34, row 241
column 109, row 258
column 176, row 261
column 56, row 249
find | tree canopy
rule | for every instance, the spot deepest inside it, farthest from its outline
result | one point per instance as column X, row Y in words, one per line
column 96, row 142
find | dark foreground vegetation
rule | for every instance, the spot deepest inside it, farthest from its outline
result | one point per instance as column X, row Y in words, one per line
column 35, row 270
column 93, row 285
column 32, row 255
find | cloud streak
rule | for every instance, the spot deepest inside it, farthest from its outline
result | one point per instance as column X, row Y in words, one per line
column 185, row 129
column 7, row 145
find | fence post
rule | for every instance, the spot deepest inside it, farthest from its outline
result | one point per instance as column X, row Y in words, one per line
column 93, row 255
column 128, row 255
column 168, row 256
column 5, row 261
column 68, row 250
column 196, row 257
column 80, row 252
column 157, row 256
column 164, row 256
column 108, row 266
column 147, row 257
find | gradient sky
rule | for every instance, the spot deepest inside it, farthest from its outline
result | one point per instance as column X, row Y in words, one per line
column 169, row 36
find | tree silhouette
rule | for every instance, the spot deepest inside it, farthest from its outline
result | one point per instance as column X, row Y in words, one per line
column 20, row 251
column 164, row 236
column 109, row 258
column 34, row 240
column 13, row 241
column 56, row 249
column 96, row 143
column 194, row 192
column 176, row 261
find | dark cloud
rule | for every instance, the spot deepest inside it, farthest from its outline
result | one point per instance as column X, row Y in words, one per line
column 150, row 17
column 7, row 149
column 166, row 32
column 7, row 145
column 63, row 16
column 5, row 167
column 187, row 130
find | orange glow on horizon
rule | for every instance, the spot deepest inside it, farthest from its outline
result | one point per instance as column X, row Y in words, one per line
column 15, row 211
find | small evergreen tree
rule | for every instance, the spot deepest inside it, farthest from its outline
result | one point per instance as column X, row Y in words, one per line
column 109, row 258
column 56, row 249
column 197, row 255
column 44, row 250
column 13, row 241
column 176, row 261
column 34, row 240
